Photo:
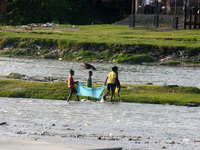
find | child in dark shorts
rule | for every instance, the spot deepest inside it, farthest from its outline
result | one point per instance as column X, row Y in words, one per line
column 71, row 85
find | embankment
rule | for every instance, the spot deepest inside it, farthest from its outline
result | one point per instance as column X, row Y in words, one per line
column 103, row 43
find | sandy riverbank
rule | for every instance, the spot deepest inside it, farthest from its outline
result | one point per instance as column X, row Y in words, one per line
column 20, row 144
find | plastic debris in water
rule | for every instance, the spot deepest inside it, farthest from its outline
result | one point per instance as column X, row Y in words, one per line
column 65, row 125
column 87, row 124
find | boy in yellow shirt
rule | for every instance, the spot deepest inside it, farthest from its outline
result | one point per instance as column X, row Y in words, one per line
column 111, row 80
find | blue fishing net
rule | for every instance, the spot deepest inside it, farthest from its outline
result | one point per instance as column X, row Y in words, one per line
column 92, row 92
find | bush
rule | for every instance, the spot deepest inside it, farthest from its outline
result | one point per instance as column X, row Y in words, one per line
column 130, row 58
column 191, row 61
column 87, row 55
column 17, row 52
column 173, row 63
column 50, row 56
column 188, row 61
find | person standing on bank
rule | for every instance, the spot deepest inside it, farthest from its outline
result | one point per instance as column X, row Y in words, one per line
column 71, row 85
column 89, row 82
column 111, row 80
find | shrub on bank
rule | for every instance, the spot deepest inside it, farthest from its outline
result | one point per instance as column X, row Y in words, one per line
column 189, row 61
column 86, row 55
column 173, row 63
column 50, row 56
column 131, row 58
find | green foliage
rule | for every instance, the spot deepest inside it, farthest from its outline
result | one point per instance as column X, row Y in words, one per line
column 191, row 61
column 107, row 54
column 6, row 53
column 173, row 63
column 15, row 88
column 22, row 44
column 15, row 76
column 130, row 58
column 105, row 39
column 86, row 55
column 188, row 61
column 17, row 52
column 50, row 56
column 73, row 11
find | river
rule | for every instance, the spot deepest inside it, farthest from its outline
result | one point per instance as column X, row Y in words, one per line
column 134, row 74
column 127, row 125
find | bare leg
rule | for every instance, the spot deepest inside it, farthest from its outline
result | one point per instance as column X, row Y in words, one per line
column 69, row 97
column 77, row 97
column 112, row 94
column 104, row 97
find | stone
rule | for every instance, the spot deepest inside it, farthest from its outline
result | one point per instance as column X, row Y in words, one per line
column 79, row 58
column 88, row 66
column 3, row 123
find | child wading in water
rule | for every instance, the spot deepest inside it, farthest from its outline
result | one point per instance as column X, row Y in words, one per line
column 71, row 85
column 117, row 84
column 111, row 78
column 89, row 81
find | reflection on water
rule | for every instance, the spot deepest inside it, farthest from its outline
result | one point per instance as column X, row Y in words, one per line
column 136, row 74
column 157, row 125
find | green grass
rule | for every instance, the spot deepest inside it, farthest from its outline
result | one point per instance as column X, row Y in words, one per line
column 190, row 61
column 124, row 58
column 154, row 94
column 112, row 34
column 107, row 42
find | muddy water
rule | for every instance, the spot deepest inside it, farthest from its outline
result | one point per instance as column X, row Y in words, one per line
column 136, row 74
column 127, row 125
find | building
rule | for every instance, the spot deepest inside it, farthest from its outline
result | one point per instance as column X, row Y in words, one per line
column 147, row 6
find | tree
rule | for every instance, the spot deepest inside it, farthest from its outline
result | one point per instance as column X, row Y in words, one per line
column 61, row 11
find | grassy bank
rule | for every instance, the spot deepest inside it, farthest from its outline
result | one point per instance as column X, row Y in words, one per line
column 107, row 42
column 154, row 94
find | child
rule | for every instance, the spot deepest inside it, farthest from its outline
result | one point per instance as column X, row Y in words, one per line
column 89, row 81
column 117, row 85
column 111, row 78
column 71, row 85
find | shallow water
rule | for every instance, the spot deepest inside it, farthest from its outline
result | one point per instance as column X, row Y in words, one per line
column 158, row 126
column 136, row 74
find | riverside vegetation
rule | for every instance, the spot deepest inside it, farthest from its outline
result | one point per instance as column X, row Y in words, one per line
column 155, row 94
column 102, row 43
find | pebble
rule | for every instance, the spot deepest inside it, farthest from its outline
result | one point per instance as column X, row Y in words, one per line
column 164, row 147
column 32, row 133
column 87, row 124
column 20, row 132
column 65, row 125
